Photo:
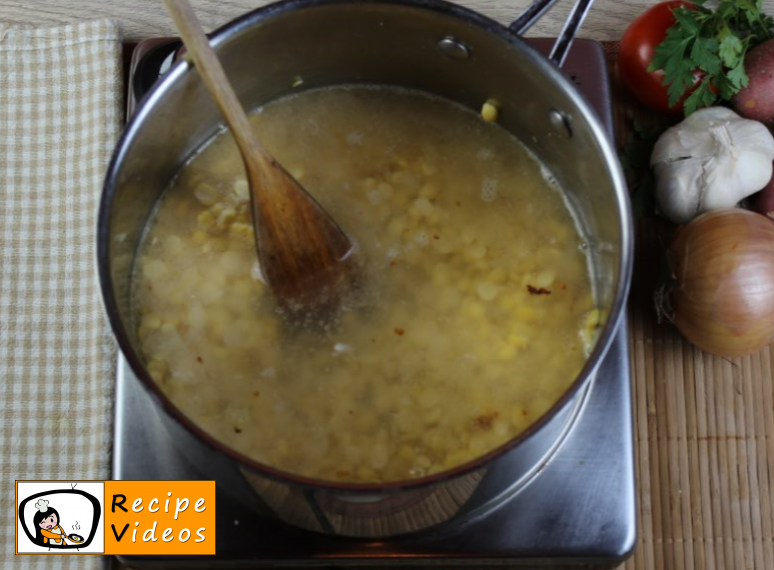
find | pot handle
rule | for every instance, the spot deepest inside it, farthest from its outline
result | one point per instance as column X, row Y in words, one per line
column 536, row 10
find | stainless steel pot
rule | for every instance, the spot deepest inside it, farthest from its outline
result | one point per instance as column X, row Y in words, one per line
column 429, row 45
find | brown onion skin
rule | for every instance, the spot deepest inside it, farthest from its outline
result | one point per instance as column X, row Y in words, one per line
column 723, row 298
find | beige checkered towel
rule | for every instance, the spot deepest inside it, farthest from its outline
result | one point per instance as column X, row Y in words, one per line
column 60, row 114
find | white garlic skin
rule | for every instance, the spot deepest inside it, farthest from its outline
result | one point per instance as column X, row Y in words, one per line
column 710, row 161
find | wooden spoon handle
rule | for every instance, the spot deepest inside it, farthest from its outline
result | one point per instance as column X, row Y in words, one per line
column 211, row 71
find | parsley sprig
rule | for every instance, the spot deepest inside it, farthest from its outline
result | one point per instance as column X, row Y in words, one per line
column 635, row 159
column 715, row 42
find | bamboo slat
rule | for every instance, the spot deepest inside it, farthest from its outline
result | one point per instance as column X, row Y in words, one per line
column 704, row 425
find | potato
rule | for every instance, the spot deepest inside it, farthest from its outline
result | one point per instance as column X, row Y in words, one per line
column 764, row 200
column 756, row 101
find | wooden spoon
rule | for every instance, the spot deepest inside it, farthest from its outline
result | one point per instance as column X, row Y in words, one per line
column 305, row 257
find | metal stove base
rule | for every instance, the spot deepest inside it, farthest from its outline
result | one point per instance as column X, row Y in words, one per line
column 578, row 511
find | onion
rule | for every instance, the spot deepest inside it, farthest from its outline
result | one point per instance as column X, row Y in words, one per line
column 723, row 296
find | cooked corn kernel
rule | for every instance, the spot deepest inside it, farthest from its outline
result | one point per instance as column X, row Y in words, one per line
column 424, row 206
column 241, row 190
column 544, row 279
column 489, row 111
column 207, row 194
column 592, row 320
column 241, row 231
column 205, row 220
column 199, row 237
column 487, row 291
column 226, row 217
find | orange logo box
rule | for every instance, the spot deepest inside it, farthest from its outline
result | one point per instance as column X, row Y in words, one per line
column 159, row 517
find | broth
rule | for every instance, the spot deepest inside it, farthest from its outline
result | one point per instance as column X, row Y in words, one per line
column 475, row 317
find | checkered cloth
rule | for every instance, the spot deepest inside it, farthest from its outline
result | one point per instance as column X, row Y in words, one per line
column 60, row 115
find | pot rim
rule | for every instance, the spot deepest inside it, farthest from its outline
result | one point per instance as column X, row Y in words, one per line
column 263, row 14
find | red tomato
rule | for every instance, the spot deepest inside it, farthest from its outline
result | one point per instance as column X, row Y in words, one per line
column 637, row 47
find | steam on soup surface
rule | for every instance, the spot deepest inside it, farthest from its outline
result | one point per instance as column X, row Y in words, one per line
column 476, row 313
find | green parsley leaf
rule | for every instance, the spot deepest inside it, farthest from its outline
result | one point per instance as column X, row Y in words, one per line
column 701, row 97
column 635, row 159
column 751, row 8
column 682, row 80
column 705, row 54
column 725, row 88
column 738, row 77
column 731, row 49
column 727, row 10
column 714, row 42
column 670, row 53
column 687, row 20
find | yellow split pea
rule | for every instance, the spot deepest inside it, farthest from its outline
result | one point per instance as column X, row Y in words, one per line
column 475, row 316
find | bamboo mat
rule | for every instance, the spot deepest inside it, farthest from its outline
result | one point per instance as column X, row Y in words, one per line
column 704, row 427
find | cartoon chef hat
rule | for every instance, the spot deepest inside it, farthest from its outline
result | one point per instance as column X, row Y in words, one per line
column 42, row 505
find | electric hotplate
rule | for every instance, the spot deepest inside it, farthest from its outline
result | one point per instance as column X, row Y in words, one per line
column 577, row 511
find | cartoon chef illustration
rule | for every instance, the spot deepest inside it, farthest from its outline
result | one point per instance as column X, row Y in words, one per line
column 48, row 529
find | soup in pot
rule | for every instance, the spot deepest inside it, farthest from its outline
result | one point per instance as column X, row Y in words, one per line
column 475, row 315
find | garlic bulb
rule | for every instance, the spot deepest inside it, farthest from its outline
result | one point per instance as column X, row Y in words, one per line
column 710, row 161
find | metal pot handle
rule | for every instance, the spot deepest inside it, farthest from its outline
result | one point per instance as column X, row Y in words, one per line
column 536, row 10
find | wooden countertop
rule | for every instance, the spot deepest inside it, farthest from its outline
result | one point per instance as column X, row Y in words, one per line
column 143, row 19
